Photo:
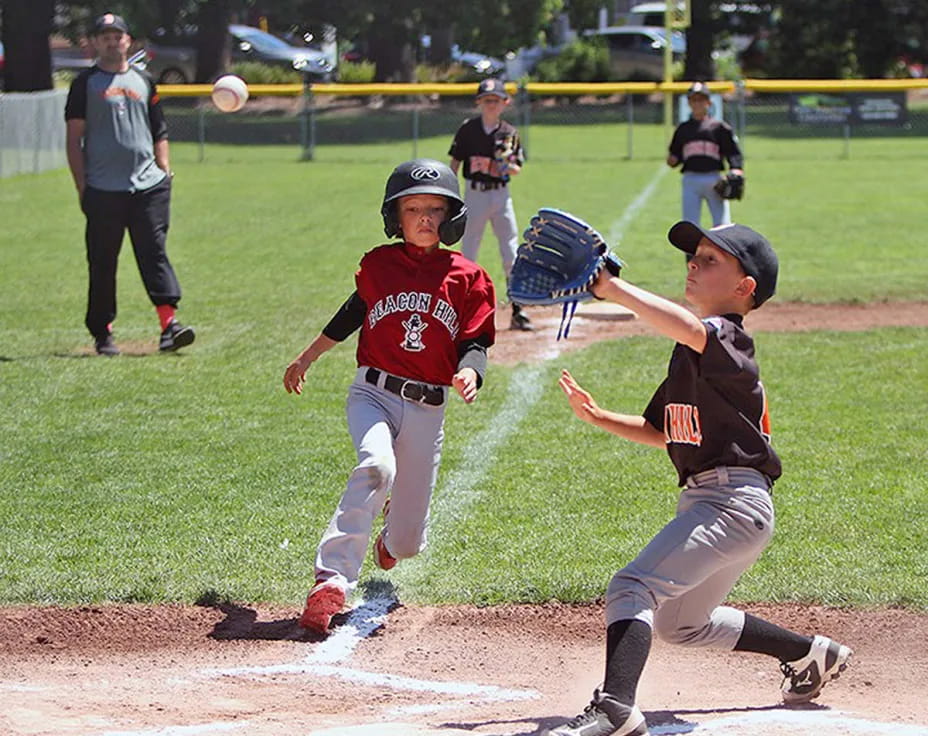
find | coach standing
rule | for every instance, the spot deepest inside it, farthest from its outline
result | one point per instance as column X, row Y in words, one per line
column 118, row 155
column 702, row 144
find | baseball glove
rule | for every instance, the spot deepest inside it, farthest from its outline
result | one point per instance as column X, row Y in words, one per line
column 504, row 155
column 560, row 259
column 730, row 186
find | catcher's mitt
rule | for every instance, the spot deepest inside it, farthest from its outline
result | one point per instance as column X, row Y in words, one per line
column 560, row 260
column 730, row 186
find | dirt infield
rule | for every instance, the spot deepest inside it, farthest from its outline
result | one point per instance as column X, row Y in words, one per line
column 596, row 321
column 392, row 670
column 506, row 670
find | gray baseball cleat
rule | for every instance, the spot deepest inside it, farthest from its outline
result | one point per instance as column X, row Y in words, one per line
column 803, row 679
column 604, row 716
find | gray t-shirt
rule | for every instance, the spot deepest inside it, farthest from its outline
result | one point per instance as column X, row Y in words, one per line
column 123, row 118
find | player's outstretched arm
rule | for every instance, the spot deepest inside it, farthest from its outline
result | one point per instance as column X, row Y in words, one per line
column 295, row 374
column 630, row 427
column 667, row 317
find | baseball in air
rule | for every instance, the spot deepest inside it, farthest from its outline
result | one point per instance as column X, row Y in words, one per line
column 230, row 93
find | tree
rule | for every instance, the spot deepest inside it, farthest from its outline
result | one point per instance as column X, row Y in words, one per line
column 213, row 38
column 700, row 40
column 27, row 25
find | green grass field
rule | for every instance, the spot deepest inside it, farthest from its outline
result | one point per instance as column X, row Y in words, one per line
column 194, row 476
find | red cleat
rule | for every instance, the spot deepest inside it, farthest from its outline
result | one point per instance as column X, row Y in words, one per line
column 383, row 559
column 324, row 601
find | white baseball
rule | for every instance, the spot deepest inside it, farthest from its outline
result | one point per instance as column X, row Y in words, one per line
column 230, row 93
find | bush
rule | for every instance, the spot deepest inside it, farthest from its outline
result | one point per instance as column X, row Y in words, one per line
column 361, row 72
column 584, row 60
column 254, row 72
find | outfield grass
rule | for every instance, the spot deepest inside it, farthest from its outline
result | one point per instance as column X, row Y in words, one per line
column 192, row 476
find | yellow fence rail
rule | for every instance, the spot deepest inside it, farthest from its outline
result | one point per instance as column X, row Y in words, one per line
column 561, row 88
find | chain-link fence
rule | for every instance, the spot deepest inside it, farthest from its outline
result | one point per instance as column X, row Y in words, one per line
column 771, row 124
column 32, row 132
column 557, row 122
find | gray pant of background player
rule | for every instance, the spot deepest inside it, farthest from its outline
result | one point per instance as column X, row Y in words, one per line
column 398, row 443
column 677, row 583
column 493, row 206
column 698, row 187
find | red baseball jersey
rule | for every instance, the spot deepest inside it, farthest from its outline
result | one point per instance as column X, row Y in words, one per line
column 420, row 306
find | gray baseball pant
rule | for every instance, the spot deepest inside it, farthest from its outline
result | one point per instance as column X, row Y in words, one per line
column 677, row 583
column 493, row 206
column 398, row 444
column 698, row 187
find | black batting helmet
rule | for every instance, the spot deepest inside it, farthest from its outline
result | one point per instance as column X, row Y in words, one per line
column 425, row 176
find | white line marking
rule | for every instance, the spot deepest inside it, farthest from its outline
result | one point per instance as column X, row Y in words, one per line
column 617, row 229
column 364, row 620
column 182, row 730
column 819, row 722
column 380, row 679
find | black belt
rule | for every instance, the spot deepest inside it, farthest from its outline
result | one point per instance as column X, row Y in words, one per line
column 420, row 393
column 484, row 185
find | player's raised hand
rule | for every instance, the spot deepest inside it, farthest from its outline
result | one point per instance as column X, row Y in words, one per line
column 465, row 383
column 581, row 401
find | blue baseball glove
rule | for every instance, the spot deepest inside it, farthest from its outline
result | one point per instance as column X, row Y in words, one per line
column 560, row 260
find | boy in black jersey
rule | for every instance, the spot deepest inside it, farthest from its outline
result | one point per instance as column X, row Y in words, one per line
column 702, row 144
column 710, row 413
column 491, row 151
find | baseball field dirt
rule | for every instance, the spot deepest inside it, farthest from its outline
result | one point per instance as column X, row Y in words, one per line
column 395, row 670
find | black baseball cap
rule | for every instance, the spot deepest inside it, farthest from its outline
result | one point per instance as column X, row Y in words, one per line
column 494, row 87
column 109, row 21
column 698, row 88
column 753, row 251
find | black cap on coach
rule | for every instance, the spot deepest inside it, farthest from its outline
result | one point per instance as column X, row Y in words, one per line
column 107, row 21
column 698, row 88
column 493, row 87
column 752, row 250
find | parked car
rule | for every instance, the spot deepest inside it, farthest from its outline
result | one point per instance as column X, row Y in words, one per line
column 63, row 59
column 479, row 64
column 636, row 53
column 175, row 61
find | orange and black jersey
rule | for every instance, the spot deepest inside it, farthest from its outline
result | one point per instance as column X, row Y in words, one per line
column 703, row 145
column 712, row 407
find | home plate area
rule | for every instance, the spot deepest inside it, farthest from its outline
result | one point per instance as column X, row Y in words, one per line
column 390, row 669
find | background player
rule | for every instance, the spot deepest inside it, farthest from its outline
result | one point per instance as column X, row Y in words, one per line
column 700, row 144
column 491, row 152
column 118, row 154
column 710, row 414
column 426, row 315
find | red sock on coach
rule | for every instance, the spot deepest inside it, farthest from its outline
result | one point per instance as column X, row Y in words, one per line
column 165, row 314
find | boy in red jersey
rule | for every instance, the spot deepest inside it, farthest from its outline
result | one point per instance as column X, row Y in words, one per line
column 426, row 315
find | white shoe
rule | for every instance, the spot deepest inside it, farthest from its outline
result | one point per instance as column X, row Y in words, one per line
column 804, row 678
column 604, row 716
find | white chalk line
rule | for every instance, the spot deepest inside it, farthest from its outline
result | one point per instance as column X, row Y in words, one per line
column 196, row 730
column 807, row 722
column 617, row 229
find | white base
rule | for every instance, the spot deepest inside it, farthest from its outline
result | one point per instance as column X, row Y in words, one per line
column 604, row 310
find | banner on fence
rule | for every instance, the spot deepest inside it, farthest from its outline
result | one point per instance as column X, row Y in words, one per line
column 852, row 108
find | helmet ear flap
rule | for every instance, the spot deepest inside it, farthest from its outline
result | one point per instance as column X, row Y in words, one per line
column 452, row 229
column 391, row 223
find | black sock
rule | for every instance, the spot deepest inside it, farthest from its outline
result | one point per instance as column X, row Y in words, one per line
column 767, row 638
column 628, row 643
